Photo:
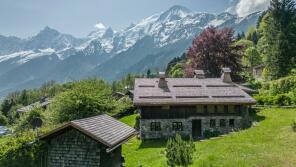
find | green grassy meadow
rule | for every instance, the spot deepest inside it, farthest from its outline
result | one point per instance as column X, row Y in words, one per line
column 271, row 142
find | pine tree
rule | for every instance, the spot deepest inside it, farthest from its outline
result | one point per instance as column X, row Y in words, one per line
column 179, row 152
column 23, row 98
column 238, row 37
column 243, row 35
column 280, row 38
column 251, row 57
column 148, row 73
column 6, row 106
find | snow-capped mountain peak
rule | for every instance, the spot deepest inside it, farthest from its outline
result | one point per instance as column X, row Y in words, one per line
column 149, row 43
column 99, row 31
column 48, row 31
column 175, row 24
column 175, row 13
column 100, row 26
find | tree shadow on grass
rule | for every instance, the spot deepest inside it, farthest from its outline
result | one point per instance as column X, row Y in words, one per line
column 153, row 144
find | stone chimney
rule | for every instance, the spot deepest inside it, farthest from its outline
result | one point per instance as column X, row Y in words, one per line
column 226, row 75
column 162, row 82
column 200, row 74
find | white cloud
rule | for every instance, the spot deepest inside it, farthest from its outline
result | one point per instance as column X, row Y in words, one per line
column 246, row 7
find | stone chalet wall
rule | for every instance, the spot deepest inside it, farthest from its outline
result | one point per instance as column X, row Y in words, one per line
column 240, row 121
column 73, row 149
column 167, row 127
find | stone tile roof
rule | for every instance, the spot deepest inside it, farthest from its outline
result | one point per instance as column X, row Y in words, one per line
column 102, row 128
column 188, row 91
column 27, row 108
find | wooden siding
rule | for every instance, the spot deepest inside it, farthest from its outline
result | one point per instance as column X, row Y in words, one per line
column 72, row 148
column 178, row 112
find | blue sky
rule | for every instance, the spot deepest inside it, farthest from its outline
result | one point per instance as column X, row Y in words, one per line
column 25, row 18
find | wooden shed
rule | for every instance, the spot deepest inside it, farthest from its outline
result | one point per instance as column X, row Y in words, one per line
column 89, row 142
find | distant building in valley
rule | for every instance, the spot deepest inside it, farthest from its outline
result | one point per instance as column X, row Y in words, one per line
column 43, row 103
column 257, row 71
column 89, row 142
column 190, row 106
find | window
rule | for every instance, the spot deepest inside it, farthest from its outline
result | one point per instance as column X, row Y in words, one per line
column 177, row 126
column 216, row 109
column 226, row 109
column 222, row 123
column 205, row 108
column 155, row 126
column 165, row 107
column 231, row 123
column 212, row 123
column 238, row 108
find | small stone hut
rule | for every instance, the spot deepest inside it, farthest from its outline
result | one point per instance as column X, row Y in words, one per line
column 89, row 142
column 190, row 106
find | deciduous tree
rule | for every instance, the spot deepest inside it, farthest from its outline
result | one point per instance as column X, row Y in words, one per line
column 212, row 50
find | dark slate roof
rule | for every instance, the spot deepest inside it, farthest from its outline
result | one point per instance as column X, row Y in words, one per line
column 102, row 128
column 188, row 91
column 247, row 89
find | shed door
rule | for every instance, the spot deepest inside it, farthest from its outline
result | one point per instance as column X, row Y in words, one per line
column 196, row 128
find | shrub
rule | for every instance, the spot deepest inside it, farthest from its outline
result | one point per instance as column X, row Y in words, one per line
column 209, row 133
column 283, row 85
column 294, row 125
column 3, row 120
column 282, row 100
column 179, row 152
column 264, row 99
column 19, row 151
column 278, row 92
column 86, row 98
column 26, row 119
column 123, row 107
column 137, row 124
column 255, row 84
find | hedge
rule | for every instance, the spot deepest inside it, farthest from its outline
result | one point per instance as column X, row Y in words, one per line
column 281, row 92
column 20, row 151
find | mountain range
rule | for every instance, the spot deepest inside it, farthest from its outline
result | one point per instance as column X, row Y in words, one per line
column 149, row 44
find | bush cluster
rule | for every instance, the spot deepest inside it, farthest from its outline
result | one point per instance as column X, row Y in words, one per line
column 294, row 125
column 20, row 151
column 25, row 121
column 209, row 133
column 281, row 92
column 3, row 120
column 280, row 99
column 85, row 99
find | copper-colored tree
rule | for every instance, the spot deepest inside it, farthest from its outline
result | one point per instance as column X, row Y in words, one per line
column 212, row 50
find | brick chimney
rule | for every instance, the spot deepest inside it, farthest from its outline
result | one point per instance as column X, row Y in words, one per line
column 162, row 82
column 226, row 75
column 200, row 74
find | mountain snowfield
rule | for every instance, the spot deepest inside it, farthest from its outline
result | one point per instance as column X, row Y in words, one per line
column 109, row 54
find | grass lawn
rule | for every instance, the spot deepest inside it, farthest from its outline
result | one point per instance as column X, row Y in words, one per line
column 270, row 143
column 129, row 120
